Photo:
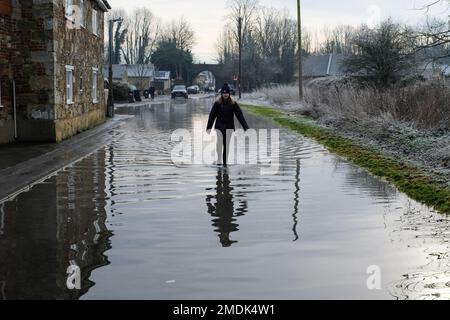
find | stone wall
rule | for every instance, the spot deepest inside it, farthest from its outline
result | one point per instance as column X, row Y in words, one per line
column 24, row 51
column 36, row 43
column 6, row 48
column 80, row 48
column 33, row 64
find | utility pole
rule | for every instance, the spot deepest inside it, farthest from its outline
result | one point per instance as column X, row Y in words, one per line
column 240, row 56
column 110, row 109
column 300, row 62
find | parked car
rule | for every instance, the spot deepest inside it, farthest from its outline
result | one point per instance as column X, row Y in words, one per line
column 133, row 94
column 193, row 89
column 179, row 91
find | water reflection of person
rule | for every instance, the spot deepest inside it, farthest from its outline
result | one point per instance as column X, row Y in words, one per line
column 221, row 208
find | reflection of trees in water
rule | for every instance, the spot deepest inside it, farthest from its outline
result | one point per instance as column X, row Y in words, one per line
column 160, row 116
column 360, row 179
column 221, row 208
column 57, row 222
column 296, row 200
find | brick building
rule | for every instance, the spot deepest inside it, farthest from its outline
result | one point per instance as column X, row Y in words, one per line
column 51, row 58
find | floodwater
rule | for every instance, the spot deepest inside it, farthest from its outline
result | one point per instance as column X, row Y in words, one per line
column 139, row 227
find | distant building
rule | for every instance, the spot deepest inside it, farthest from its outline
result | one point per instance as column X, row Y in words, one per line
column 162, row 82
column 332, row 65
column 52, row 51
column 434, row 71
column 205, row 80
column 323, row 66
column 139, row 75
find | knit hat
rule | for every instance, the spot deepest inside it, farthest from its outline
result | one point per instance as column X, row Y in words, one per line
column 226, row 89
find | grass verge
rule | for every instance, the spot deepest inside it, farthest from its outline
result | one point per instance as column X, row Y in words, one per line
column 406, row 178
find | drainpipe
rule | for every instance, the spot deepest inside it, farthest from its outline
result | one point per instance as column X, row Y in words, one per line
column 329, row 64
column 14, row 108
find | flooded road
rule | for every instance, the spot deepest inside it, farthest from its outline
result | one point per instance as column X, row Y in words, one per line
column 139, row 227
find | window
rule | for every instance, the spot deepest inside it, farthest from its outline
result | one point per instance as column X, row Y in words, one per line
column 69, row 84
column 81, row 84
column 94, row 84
column 94, row 22
column 69, row 9
column 82, row 13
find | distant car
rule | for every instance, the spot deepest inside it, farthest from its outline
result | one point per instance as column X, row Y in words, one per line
column 193, row 89
column 179, row 91
column 210, row 89
column 232, row 89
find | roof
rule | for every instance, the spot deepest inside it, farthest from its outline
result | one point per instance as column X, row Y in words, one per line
column 323, row 65
column 103, row 4
column 137, row 71
column 430, row 69
column 118, row 71
column 162, row 75
column 107, row 4
column 130, row 70
column 337, row 65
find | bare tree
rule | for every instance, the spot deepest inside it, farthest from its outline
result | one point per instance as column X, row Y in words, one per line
column 383, row 55
column 245, row 9
column 181, row 33
column 226, row 46
column 437, row 32
column 426, row 7
column 337, row 40
column 275, row 38
column 307, row 42
column 143, row 29
column 433, row 39
column 269, row 45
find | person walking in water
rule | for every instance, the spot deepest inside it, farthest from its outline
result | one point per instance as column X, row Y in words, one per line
column 223, row 112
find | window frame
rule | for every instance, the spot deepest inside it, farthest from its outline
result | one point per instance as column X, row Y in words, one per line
column 69, row 86
column 95, row 22
column 94, row 86
column 82, row 14
column 68, row 10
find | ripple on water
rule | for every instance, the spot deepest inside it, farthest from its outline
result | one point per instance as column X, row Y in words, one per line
column 308, row 231
column 423, row 286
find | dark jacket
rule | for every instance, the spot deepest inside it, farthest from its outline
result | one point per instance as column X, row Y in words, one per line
column 224, row 114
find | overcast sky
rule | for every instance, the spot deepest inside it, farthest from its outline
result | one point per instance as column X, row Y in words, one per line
column 207, row 16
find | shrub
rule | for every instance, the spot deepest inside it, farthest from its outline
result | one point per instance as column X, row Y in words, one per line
column 120, row 91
